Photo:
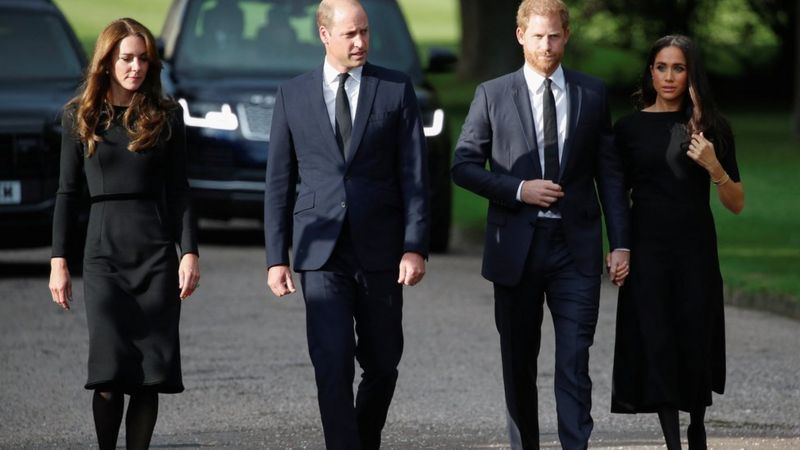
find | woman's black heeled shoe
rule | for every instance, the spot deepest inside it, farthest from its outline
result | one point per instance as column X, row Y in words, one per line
column 696, row 435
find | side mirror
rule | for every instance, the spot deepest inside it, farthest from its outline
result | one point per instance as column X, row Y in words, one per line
column 441, row 60
column 160, row 47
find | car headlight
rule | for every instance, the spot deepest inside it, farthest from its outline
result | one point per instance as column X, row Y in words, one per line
column 437, row 124
column 210, row 115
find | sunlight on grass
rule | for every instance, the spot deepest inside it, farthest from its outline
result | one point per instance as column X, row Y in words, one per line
column 432, row 21
column 89, row 17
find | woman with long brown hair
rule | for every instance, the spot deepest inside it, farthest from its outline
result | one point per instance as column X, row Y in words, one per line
column 670, row 346
column 126, row 143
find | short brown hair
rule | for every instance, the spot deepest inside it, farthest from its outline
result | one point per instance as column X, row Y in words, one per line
column 530, row 8
column 325, row 12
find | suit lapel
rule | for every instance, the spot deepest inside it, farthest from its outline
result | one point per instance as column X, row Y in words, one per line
column 319, row 111
column 575, row 103
column 366, row 97
column 522, row 102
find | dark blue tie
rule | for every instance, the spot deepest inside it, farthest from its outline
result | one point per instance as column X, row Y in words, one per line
column 551, row 167
column 344, row 125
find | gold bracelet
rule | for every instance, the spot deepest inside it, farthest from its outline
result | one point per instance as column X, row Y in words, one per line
column 722, row 180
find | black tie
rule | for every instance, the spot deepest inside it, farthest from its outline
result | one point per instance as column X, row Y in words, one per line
column 343, row 121
column 551, row 168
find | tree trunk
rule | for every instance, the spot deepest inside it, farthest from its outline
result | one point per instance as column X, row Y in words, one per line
column 678, row 17
column 489, row 46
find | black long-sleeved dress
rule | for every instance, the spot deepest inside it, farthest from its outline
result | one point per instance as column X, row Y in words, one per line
column 670, row 344
column 140, row 209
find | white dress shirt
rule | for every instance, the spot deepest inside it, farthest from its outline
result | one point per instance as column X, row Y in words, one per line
column 330, row 84
column 535, row 83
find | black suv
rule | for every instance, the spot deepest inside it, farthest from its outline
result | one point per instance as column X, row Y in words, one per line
column 225, row 60
column 42, row 66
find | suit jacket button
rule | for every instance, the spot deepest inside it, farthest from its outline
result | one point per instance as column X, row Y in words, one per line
column 344, row 204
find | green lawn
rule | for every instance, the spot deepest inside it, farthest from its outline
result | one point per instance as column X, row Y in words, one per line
column 759, row 249
column 88, row 17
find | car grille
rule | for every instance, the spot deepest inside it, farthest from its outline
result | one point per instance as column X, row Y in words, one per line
column 213, row 156
column 255, row 120
column 24, row 155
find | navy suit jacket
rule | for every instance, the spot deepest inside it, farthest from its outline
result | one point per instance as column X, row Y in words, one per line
column 380, row 186
column 499, row 129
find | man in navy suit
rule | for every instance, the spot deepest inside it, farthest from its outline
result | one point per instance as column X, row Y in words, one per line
column 546, row 133
column 351, row 133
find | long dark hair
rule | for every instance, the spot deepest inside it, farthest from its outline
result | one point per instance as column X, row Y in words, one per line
column 146, row 119
column 701, row 111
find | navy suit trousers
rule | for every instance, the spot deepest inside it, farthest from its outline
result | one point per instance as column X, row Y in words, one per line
column 337, row 297
column 573, row 298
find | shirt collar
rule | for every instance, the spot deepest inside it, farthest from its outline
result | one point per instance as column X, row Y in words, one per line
column 535, row 81
column 330, row 74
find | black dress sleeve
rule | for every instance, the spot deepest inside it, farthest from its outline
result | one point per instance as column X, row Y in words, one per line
column 71, row 182
column 178, row 193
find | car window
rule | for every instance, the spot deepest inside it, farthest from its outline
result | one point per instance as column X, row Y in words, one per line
column 36, row 46
column 278, row 38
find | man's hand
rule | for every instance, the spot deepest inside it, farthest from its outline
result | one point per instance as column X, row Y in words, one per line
column 279, row 279
column 540, row 193
column 618, row 266
column 412, row 269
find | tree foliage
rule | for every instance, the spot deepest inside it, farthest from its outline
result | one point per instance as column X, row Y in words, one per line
column 659, row 17
column 781, row 16
column 746, row 42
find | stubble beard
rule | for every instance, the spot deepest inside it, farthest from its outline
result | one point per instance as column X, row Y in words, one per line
column 545, row 67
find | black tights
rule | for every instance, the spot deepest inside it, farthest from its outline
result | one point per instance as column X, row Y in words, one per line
column 670, row 425
column 139, row 421
column 107, row 410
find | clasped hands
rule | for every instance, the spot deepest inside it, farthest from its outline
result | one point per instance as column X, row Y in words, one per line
column 411, row 271
column 618, row 266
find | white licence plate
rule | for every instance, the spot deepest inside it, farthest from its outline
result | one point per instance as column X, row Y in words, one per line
column 10, row 192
